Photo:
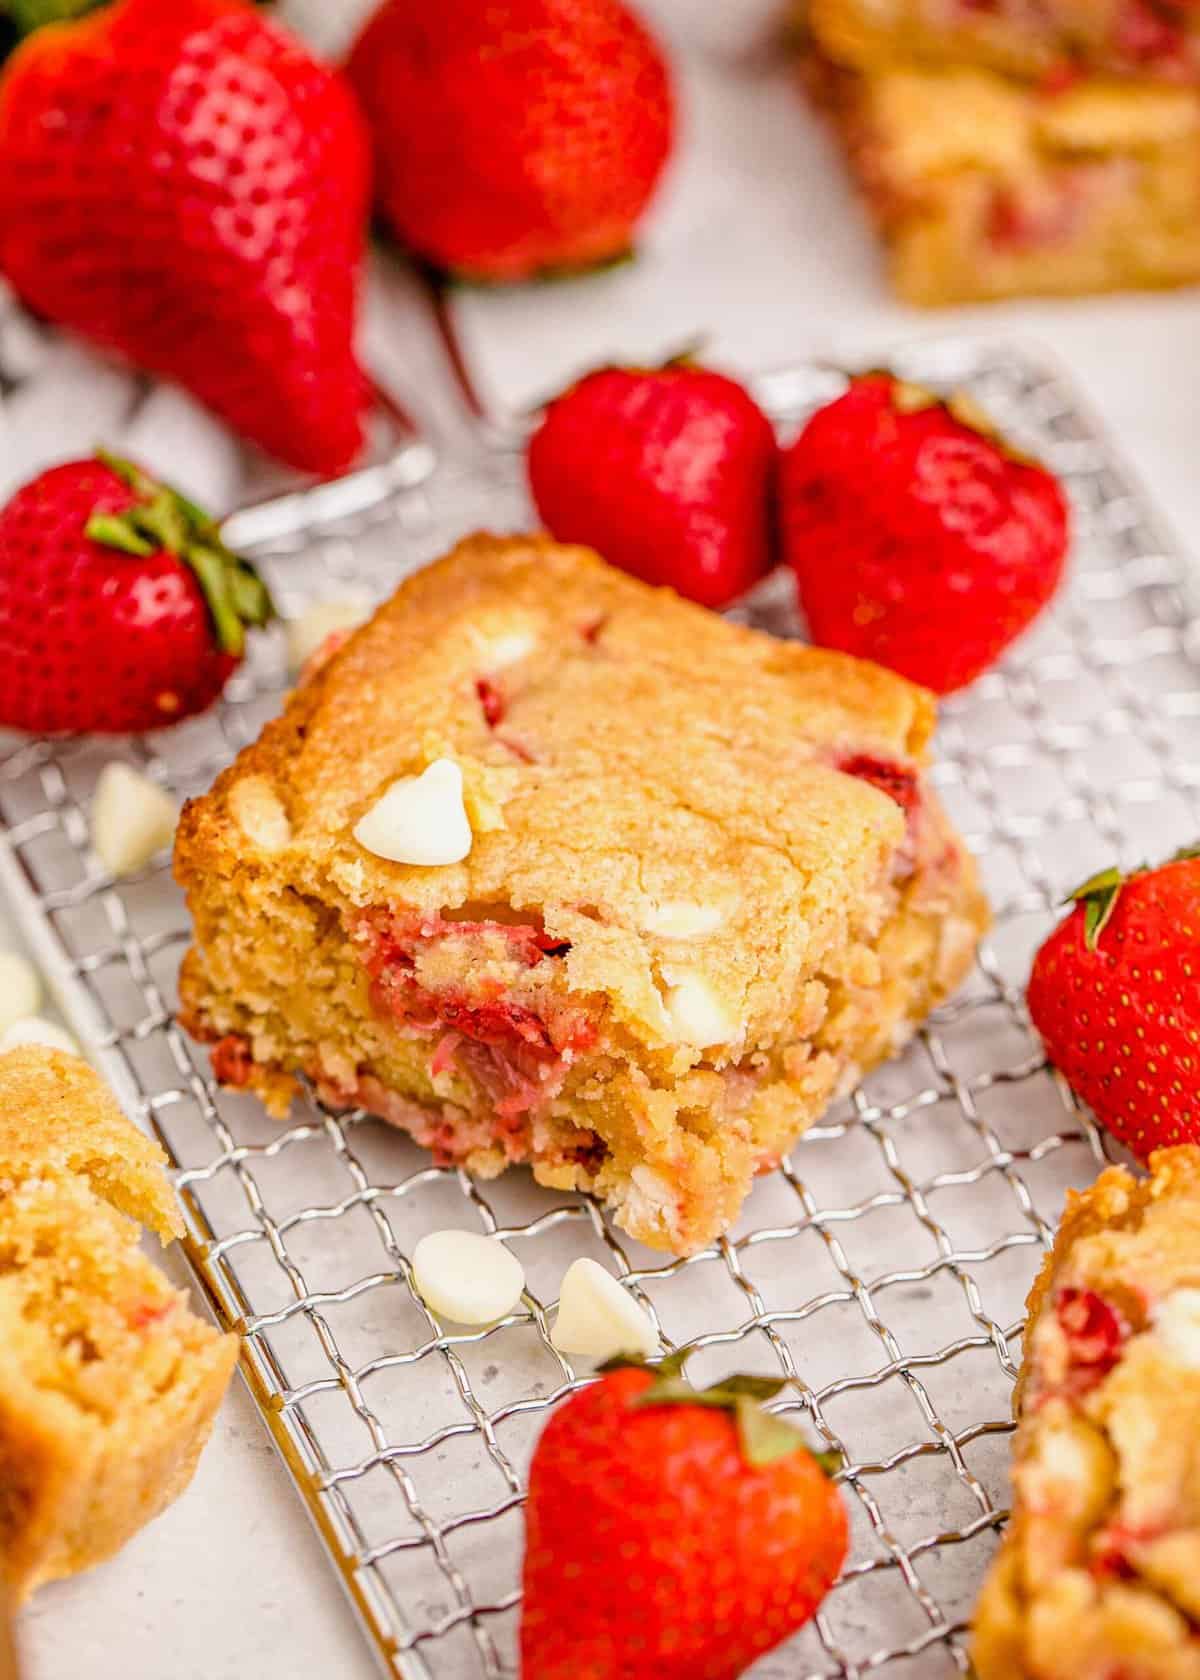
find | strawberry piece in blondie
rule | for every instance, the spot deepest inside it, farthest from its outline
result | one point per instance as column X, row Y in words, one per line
column 1098, row 1577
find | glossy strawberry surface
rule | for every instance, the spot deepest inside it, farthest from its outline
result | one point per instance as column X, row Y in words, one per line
column 514, row 138
column 918, row 538
column 184, row 184
column 666, row 472
column 1119, row 1008
column 655, row 1551
column 93, row 638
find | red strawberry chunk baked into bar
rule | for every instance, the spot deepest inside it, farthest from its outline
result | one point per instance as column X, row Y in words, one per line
column 1099, row 1574
column 547, row 866
column 1031, row 38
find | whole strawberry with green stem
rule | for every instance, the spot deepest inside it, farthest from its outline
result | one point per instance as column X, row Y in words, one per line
column 919, row 537
column 668, row 473
column 120, row 607
column 672, row 1534
column 1115, row 994
column 516, row 138
column 184, row 184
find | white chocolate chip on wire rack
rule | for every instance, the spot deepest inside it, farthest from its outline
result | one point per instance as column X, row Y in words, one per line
column 466, row 1276
column 132, row 818
column 599, row 1318
column 882, row 1268
column 310, row 630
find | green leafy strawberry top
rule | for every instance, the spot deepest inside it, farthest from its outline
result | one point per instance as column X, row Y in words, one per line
column 162, row 519
column 763, row 1436
column 1099, row 894
column 28, row 15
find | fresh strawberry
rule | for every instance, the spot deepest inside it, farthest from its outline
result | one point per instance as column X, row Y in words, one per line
column 514, row 139
column 1115, row 994
column 120, row 608
column 918, row 538
column 184, row 184
column 670, row 1534
column 667, row 472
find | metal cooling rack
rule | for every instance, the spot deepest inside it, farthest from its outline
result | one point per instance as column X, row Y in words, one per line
column 883, row 1268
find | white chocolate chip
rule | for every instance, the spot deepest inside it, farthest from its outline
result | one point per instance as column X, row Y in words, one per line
column 34, row 1029
column 494, row 649
column 306, row 633
column 1062, row 1457
column 466, row 1276
column 20, row 988
column 676, row 918
column 420, row 819
column 498, row 652
column 696, row 1013
column 132, row 818
column 1177, row 1327
column 599, row 1318
column 259, row 813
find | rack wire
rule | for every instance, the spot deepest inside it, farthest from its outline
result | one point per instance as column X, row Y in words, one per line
column 882, row 1268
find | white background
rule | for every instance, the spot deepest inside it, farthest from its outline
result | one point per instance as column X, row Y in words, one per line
column 757, row 245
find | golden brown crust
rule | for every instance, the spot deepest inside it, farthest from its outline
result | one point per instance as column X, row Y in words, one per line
column 110, row 1385
column 647, row 755
column 1099, row 1572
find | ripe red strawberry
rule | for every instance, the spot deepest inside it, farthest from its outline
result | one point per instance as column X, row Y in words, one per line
column 515, row 138
column 120, row 609
column 667, row 472
column 671, row 1535
column 184, row 184
column 917, row 537
column 1115, row 994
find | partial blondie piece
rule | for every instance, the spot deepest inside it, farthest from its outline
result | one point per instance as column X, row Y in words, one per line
column 1028, row 38
column 108, row 1383
column 548, row 866
column 1099, row 1573
column 984, row 188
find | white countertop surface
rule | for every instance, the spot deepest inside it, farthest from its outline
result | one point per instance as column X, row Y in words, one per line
column 757, row 245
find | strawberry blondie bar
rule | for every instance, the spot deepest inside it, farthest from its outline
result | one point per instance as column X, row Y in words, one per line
column 1158, row 39
column 983, row 187
column 109, row 1384
column 1099, row 1573
column 547, row 866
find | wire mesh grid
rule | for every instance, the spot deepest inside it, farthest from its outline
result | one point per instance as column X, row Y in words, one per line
column 882, row 1268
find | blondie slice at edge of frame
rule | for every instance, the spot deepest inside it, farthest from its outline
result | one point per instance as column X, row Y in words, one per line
column 1099, row 1570
column 981, row 187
